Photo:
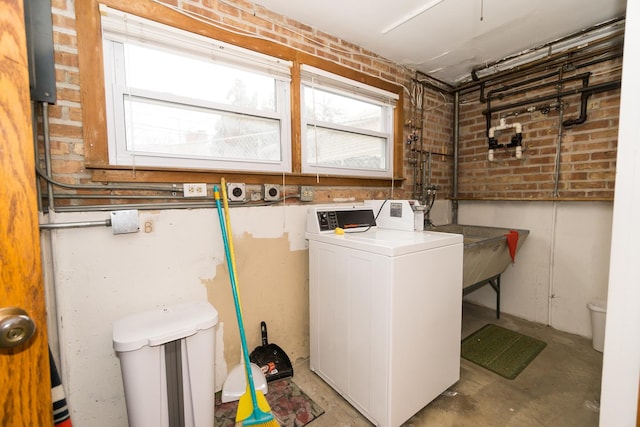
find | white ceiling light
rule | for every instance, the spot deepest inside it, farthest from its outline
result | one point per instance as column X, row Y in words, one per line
column 412, row 15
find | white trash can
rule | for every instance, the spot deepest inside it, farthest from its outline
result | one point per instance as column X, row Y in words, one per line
column 167, row 362
column 598, row 311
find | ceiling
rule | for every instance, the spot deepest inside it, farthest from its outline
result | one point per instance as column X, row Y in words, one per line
column 446, row 39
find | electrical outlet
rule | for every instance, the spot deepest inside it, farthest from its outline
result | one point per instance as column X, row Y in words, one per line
column 271, row 192
column 195, row 190
column 306, row 193
column 236, row 192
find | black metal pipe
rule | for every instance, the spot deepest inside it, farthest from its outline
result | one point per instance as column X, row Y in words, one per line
column 583, row 76
column 597, row 88
column 583, row 111
column 583, row 105
column 599, row 60
column 507, row 87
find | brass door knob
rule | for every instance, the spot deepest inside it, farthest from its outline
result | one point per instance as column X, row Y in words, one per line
column 16, row 327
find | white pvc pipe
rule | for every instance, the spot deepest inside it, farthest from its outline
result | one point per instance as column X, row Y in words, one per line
column 503, row 126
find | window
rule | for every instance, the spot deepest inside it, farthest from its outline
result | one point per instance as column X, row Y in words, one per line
column 177, row 99
column 347, row 126
column 177, row 94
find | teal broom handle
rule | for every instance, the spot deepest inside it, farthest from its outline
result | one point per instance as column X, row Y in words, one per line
column 236, row 301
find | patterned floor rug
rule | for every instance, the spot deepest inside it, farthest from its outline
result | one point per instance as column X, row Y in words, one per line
column 290, row 405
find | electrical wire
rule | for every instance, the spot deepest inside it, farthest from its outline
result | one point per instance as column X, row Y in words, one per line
column 375, row 218
column 380, row 210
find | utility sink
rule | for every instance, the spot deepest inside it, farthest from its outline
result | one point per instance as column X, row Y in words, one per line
column 486, row 254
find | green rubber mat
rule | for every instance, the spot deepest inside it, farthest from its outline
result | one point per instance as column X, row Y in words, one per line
column 500, row 350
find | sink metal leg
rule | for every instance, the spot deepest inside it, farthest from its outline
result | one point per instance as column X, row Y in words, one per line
column 495, row 284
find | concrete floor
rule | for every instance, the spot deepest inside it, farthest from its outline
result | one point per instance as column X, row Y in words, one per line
column 561, row 387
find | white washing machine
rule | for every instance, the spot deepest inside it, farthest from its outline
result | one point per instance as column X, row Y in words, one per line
column 385, row 312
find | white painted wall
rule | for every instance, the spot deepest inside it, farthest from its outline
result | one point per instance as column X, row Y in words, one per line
column 100, row 277
column 94, row 278
column 621, row 364
column 562, row 266
column 441, row 212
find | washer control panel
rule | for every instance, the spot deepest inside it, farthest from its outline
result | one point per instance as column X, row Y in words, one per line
column 323, row 220
column 327, row 220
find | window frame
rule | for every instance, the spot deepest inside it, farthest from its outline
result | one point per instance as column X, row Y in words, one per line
column 121, row 29
column 93, row 103
column 325, row 81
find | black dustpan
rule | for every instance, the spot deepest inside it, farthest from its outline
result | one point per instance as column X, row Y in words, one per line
column 273, row 361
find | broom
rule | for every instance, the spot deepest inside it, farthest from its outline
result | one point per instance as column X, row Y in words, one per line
column 253, row 408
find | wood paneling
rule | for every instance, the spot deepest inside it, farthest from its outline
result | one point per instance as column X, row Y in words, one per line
column 25, row 390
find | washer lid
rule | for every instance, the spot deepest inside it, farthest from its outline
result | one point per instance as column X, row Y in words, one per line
column 163, row 325
column 389, row 242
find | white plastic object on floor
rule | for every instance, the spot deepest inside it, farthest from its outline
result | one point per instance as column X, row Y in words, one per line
column 141, row 340
column 598, row 311
column 236, row 383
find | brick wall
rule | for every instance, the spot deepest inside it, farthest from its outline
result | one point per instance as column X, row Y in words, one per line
column 429, row 157
column 587, row 154
column 587, row 150
column 66, row 115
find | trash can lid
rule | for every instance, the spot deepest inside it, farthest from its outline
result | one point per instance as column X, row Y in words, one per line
column 157, row 327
